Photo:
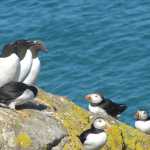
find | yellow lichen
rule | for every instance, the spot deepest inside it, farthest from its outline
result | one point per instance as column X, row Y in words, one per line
column 76, row 120
column 23, row 140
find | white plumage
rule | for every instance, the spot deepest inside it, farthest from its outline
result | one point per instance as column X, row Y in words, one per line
column 25, row 65
column 34, row 71
column 95, row 141
column 9, row 69
column 144, row 126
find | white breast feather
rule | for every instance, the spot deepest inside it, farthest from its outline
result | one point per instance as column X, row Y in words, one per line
column 144, row 126
column 31, row 77
column 9, row 69
column 95, row 141
column 97, row 110
column 25, row 65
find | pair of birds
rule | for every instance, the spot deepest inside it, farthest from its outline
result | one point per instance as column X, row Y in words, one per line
column 95, row 137
column 20, row 67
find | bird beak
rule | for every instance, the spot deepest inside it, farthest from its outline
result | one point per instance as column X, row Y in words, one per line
column 137, row 115
column 88, row 97
column 108, row 127
column 43, row 48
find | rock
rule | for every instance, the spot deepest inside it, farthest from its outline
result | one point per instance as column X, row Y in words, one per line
column 29, row 129
column 54, row 123
column 76, row 119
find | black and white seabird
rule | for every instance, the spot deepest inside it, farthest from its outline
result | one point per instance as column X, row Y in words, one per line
column 9, row 67
column 16, row 93
column 95, row 137
column 99, row 104
column 27, row 51
column 142, row 121
column 35, row 68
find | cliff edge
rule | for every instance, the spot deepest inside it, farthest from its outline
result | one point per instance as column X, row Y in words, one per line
column 54, row 122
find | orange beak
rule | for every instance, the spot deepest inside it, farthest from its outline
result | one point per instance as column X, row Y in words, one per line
column 88, row 97
column 108, row 128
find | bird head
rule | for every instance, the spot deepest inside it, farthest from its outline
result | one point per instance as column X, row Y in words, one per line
column 100, row 123
column 94, row 98
column 141, row 115
column 21, row 46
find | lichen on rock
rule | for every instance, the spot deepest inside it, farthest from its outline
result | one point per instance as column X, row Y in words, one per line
column 55, row 122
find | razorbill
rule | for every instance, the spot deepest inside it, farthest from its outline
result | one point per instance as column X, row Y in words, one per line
column 35, row 68
column 95, row 137
column 99, row 104
column 16, row 93
column 21, row 48
column 9, row 67
column 27, row 51
column 142, row 121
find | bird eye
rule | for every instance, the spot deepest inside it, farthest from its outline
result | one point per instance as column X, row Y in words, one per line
column 100, row 120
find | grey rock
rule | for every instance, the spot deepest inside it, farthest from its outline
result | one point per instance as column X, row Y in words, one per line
column 30, row 130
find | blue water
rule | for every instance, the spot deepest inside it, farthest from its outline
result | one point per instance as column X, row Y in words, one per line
column 93, row 46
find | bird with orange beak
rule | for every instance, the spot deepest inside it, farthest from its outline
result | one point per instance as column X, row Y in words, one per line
column 142, row 121
column 95, row 137
column 98, row 104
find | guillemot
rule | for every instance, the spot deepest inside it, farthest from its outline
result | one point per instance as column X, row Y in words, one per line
column 16, row 93
column 142, row 121
column 99, row 104
column 9, row 67
column 95, row 137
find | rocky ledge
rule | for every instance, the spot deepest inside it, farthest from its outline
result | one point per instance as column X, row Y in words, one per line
column 54, row 122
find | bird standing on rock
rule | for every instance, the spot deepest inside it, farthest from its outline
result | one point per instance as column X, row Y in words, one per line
column 9, row 67
column 16, row 93
column 27, row 51
column 142, row 121
column 35, row 68
column 98, row 104
column 95, row 137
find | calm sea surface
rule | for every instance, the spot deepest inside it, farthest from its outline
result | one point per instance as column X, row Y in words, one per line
column 93, row 46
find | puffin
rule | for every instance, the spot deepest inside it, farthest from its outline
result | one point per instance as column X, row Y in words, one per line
column 95, row 137
column 142, row 121
column 9, row 66
column 27, row 51
column 98, row 104
column 16, row 93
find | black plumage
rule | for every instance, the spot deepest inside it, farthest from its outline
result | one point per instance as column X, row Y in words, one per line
column 112, row 108
column 19, row 47
column 12, row 90
column 85, row 133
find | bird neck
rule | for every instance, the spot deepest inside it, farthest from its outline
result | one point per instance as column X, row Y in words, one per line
column 96, row 104
column 34, row 52
column 95, row 130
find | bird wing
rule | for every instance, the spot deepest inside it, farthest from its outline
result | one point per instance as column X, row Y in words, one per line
column 11, row 91
column 112, row 108
column 85, row 133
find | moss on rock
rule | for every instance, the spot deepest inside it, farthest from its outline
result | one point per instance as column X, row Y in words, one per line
column 23, row 140
column 76, row 120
